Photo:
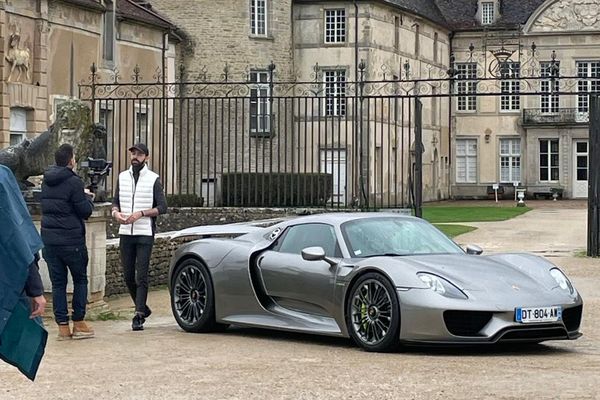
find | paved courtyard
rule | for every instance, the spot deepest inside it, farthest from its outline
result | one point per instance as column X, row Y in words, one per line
column 164, row 362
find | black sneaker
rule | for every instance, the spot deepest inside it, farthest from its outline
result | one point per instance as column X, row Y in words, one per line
column 137, row 324
column 147, row 312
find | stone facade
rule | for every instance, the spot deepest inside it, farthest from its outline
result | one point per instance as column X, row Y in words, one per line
column 421, row 34
column 389, row 39
column 569, row 31
column 61, row 40
column 218, row 35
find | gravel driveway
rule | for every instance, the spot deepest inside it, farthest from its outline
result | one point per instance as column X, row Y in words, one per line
column 164, row 362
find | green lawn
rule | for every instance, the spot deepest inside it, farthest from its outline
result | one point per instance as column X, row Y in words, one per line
column 454, row 230
column 471, row 214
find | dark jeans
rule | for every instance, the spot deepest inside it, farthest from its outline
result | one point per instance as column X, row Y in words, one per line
column 60, row 260
column 135, row 259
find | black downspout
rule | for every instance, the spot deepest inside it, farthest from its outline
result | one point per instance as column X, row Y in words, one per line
column 451, row 86
column 355, row 41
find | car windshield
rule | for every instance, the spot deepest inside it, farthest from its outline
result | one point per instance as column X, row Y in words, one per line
column 390, row 236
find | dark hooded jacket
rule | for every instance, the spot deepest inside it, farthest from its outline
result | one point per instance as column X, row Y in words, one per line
column 19, row 243
column 64, row 208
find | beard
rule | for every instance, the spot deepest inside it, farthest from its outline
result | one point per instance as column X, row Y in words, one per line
column 137, row 166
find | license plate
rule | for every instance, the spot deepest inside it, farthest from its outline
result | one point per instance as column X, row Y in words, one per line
column 538, row 314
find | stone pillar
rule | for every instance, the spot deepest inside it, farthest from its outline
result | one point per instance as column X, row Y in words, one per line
column 96, row 245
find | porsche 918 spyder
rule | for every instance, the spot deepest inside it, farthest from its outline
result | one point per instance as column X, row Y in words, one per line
column 382, row 279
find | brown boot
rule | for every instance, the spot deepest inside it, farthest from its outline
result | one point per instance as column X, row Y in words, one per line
column 81, row 330
column 64, row 332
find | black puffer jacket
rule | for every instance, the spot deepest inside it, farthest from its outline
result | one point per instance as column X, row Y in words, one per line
column 64, row 207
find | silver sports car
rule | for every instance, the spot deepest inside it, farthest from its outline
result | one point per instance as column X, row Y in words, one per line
column 380, row 278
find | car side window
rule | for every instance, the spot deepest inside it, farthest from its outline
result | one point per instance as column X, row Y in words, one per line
column 302, row 236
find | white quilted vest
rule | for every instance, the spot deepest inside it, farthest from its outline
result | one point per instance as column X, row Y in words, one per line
column 134, row 198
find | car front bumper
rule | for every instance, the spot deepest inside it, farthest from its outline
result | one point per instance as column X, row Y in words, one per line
column 428, row 318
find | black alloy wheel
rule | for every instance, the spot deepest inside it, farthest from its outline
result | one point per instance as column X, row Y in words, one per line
column 192, row 297
column 373, row 314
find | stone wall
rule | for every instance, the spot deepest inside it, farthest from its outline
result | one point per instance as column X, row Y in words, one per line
column 159, row 264
column 180, row 218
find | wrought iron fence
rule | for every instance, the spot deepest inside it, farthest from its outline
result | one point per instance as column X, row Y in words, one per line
column 264, row 143
column 326, row 142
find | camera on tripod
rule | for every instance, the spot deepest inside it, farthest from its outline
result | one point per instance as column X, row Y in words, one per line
column 96, row 169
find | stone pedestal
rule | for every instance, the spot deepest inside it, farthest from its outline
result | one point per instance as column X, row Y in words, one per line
column 95, row 237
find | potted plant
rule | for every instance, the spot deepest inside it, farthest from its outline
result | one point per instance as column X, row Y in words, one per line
column 556, row 192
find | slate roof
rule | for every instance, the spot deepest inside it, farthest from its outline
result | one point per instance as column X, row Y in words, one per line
column 460, row 15
column 142, row 11
column 134, row 10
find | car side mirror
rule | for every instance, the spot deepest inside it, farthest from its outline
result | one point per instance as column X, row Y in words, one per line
column 316, row 254
column 313, row 253
column 474, row 249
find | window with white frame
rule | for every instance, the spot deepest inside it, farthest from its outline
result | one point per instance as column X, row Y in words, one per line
column 588, row 73
column 510, row 86
column 510, row 160
column 549, row 160
column 258, row 17
column 18, row 125
column 335, row 26
column 108, row 31
column 335, row 92
column 549, row 102
column 260, row 103
column 143, row 123
column 466, row 84
column 466, row 160
column 487, row 12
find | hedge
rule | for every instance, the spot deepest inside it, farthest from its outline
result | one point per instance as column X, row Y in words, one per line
column 276, row 189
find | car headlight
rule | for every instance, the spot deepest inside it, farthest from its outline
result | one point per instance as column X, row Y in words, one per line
column 441, row 286
column 562, row 281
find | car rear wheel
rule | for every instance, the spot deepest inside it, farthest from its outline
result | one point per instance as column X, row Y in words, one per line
column 192, row 298
column 373, row 314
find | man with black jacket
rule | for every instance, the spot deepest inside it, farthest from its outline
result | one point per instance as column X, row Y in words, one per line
column 65, row 206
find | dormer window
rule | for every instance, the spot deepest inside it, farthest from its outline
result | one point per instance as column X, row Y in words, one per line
column 487, row 12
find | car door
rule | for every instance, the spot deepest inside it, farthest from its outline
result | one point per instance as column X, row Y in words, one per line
column 299, row 285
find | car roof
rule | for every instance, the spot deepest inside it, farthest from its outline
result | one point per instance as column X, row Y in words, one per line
column 341, row 217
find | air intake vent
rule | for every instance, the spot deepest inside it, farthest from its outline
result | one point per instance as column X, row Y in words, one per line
column 534, row 334
column 572, row 318
column 466, row 323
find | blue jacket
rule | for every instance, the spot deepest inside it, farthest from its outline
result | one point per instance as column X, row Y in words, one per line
column 64, row 207
column 19, row 242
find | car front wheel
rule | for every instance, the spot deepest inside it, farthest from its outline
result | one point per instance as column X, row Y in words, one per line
column 373, row 314
column 192, row 297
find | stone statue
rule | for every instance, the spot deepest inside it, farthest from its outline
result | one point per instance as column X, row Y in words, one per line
column 72, row 125
column 98, row 145
column 18, row 57
column 30, row 157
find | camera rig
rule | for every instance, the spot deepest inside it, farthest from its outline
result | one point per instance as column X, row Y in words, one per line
column 97, row 169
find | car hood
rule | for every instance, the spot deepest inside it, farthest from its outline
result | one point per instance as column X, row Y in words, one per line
column 492, row 274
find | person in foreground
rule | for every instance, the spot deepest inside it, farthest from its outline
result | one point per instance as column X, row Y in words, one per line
column 138, row 200
column 65, row 206
column 22, row 302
